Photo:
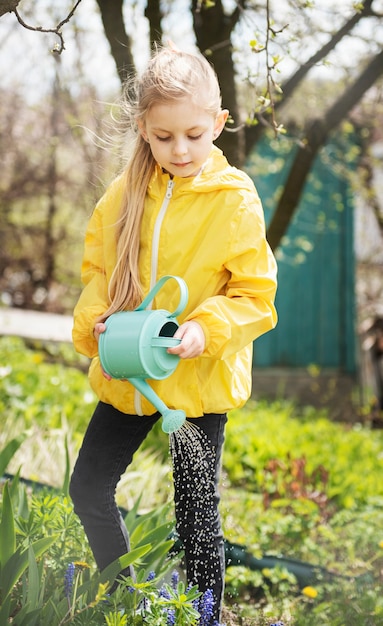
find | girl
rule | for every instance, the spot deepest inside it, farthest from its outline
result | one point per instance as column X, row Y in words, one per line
column 178, row 208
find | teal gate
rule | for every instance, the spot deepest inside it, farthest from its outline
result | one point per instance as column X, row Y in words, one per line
column 315, row 299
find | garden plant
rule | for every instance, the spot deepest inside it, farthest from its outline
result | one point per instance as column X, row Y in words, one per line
column 301, row 502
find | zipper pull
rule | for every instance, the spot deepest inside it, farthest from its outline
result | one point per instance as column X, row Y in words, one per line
column 169, row 189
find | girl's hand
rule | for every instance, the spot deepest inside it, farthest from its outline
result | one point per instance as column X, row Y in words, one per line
column 98, row 329
column 192, row 341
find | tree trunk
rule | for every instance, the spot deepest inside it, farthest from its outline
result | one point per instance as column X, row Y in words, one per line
column 7, row 6
column 154, row 15
column 213, row 33
column 316, row 137
column 119, row 40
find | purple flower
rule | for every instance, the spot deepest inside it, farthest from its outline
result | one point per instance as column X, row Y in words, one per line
column 68, row 579
column 175, row 579
column 151, row 576
column 164, row 593
column 206, row 606
column 171, row 618
column 277, row 624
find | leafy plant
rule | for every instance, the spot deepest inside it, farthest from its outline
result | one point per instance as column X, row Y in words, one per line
column 14, row 561
column 40, row 538
column 9, row 450
column 295, row 486
column 336, row 455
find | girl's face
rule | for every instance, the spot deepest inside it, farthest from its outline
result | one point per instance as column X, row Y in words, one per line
column 180, row 135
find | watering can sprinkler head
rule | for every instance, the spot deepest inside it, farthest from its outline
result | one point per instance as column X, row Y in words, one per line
column 172, row 420
column 134, row 347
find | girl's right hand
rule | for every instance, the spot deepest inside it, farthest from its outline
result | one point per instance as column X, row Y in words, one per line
column 192, row 340
column 98, row 329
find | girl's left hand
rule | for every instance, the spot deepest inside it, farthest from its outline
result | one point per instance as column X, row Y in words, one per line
column 192, row 341
column 98, row 329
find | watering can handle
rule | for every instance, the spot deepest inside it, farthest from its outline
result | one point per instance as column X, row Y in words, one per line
column 183, row 297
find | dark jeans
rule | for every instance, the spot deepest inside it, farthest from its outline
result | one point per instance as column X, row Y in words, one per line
column 109, row 444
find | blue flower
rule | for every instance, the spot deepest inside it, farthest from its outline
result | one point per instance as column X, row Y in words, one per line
column 164, row 593
column 68, row 579
column 175, row 579
column 277, row 624
column 151, row 576
column 206, row 606
column 171, row 618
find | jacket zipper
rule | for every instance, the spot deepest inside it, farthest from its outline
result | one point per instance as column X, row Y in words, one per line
column 157, row 232
column 154, row 265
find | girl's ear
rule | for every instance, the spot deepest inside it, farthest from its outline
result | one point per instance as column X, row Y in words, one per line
column 141, row 128
column 220, row 122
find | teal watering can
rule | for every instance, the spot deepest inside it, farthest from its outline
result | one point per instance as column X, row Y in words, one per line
column 134, row 347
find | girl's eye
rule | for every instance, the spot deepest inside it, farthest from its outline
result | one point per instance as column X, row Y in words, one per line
column 190, row 137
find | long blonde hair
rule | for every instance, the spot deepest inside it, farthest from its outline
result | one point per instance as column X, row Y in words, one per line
column 170, row 75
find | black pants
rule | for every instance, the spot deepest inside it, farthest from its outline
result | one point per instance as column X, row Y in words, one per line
column 109, row 444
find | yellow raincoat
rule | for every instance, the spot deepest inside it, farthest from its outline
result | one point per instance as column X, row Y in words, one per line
column 209, row 230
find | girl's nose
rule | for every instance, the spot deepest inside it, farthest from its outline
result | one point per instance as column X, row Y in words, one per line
column 180, row 147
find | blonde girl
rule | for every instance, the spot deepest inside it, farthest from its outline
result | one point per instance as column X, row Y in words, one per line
column 178, row 208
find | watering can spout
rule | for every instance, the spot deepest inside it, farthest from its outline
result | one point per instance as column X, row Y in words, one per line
column 172, row 419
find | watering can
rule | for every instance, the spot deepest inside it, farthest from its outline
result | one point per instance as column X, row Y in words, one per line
column 134, row 347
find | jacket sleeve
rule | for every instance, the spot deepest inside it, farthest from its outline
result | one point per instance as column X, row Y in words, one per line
column 93, row 300
column 246, row 310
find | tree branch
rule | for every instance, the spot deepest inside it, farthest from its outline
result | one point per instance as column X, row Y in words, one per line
column 316, row 136
column 253, row 133
column 58, row 48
